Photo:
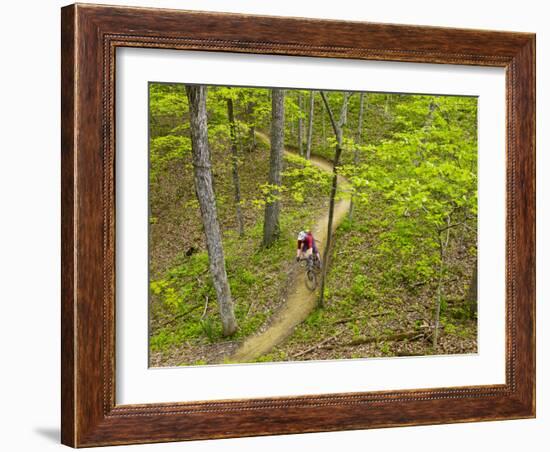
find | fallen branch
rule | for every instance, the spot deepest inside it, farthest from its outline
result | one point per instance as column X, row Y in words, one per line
column 370, row 315
column 182, row 315
column 345, row 320
column 415, row 335
column 317, row 346
column 419, row 283
column 405, row 353
column 326, row 345
column 205, row 308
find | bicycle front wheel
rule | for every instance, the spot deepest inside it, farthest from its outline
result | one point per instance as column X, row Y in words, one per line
column 311, row 280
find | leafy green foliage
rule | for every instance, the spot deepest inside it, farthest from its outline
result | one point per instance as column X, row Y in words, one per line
column 166, row 149
column 427, row 176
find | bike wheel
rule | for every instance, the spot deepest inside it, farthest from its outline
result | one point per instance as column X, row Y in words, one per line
column 311, row 280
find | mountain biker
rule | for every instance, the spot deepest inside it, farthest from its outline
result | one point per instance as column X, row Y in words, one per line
column 306, row 245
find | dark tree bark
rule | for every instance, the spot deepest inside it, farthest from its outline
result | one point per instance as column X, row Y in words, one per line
column 310, row 125
column 202, row 170
column 252, row 129
column 272, row 207
column 324, row 129
column 300, row 125
column 337, row 128
column 471, row 296
column 439, row 290
column 443, row 244
column 359, row 143
column 235, row 166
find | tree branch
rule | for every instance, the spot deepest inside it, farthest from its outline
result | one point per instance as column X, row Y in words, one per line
column 454, row 225
column 343, row 115
column 337, row 127
column 329, row 111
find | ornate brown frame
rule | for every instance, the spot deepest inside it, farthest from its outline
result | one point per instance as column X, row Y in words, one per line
column 90, row 35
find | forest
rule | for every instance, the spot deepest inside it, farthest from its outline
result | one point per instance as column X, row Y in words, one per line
column 387, row 185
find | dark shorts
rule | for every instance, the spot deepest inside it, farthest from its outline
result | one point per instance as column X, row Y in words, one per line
column 305, row 248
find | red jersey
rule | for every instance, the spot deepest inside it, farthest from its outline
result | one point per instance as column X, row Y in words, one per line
column 307, row 243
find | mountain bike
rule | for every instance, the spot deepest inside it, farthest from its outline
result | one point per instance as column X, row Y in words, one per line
column 313, row 270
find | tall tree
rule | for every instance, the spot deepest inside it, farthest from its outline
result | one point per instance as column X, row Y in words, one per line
column 272, row 206
column 235, row 166
column 443, row 236
column 300, row 124
column 324, row 129
column 202, row 170
column 471, row 296
column 310, row 125
column 251, row 124
column 357, row 144
column 337, row 127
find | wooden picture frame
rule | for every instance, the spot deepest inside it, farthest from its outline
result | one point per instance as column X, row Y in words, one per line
column 90, row 36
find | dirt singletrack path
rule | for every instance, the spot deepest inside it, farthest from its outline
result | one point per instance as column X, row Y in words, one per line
column 300, row 300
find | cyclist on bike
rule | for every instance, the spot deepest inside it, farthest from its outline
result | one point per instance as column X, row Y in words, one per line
column 306, row 246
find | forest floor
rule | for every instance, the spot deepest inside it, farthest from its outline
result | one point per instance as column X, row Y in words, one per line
column 300, row 300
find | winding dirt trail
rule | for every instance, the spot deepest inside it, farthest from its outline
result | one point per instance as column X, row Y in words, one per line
column 300, row 300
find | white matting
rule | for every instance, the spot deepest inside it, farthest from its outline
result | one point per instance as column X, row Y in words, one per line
column 136, row 383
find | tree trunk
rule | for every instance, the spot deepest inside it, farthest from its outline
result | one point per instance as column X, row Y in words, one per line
column 442, row 249
column 205, row 194
column 300, row 125
column 310, row 125
column 337, row 127
column 438, row 296
column 235, row 166
column 324, row 130
column 252, row 129
column 359, row 143
column 471, row 296
column 272, row 207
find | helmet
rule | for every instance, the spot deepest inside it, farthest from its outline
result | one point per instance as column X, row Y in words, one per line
column 301, row 235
